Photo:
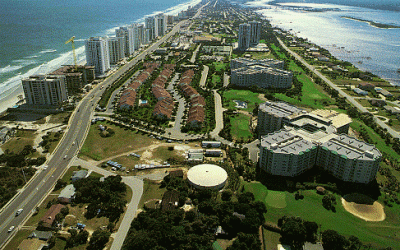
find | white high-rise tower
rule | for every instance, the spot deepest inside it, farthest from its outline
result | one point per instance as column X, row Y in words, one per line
column 97, row 54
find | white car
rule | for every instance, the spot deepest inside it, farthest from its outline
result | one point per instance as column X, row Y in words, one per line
column 65, row 156
column 45, row 167
column 19, row 211
column 11, row 229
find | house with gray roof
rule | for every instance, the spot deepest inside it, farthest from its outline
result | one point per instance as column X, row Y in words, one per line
column 67, row 194
column 77, row 175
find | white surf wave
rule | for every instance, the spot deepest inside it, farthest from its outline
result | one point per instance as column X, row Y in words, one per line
column 48, row 51
column 9, row 68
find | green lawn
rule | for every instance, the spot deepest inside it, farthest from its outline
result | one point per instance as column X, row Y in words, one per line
column 312, row 95
column 151, row 190
column 21, row 139
column 378, row 141
column 240, row 127
column 216, row 79
column 311, row 209
column 124, row 140
column 242, row 95
column 220, row 66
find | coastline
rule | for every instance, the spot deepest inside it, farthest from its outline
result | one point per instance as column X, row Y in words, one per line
column 371, row 23
column 11, row 99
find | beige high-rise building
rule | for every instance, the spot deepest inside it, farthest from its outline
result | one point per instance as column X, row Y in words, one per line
column 48, row 90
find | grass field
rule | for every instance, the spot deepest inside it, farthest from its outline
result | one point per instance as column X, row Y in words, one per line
column 379, row 234
column 312, row 95
column 151, row 190
column 240, row 127
column 242, row 95
column 124, row 140
column 18, row 238
column 21, row 139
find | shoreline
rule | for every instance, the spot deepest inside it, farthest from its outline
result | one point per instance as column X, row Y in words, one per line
column 11, row 99
column 371, row 23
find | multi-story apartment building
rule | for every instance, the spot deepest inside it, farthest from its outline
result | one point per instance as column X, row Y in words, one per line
column 349, row 159
column 45, row 90
column 266, row 73
column 272, row 116
column 255, row 32
column 249, row 35
column 124, row 34
column 244, row 36
column 301, row 140
column 97, row 54
column 76, row 76
column 286, row 154
column 161, row 24
column 150, row 24
column 260, row 76
column 247, row 62
column 116, row 49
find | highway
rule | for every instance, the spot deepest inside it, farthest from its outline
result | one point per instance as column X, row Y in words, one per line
column 39, row 187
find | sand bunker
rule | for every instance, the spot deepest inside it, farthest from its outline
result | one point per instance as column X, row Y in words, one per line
column 363, row 207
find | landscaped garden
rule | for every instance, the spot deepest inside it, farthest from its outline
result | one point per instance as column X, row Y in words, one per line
column 251, row 98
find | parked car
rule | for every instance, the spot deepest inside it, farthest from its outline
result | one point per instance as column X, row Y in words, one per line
column 11, row 229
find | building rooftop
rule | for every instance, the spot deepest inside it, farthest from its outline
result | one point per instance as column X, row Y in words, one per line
column 286, row 142
column 280, row 109
column 352, row 148
column 338, row 119
column 68, row 192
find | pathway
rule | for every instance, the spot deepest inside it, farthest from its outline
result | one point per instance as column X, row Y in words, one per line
column 203, row 79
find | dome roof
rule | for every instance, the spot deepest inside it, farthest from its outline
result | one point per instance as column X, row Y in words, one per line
column 207, row 176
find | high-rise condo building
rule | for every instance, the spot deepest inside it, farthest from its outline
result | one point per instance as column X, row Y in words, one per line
column 123, row 33
column 244, row 36
column 116, row 49
column 161, row 24
column 255, row 32
column 150, row 24
column 97, row 54
column 249, row 34
column 45, row 90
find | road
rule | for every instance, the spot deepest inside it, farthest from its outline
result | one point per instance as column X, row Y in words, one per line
column 203, row 79
column 38, row 188
column 351, row 99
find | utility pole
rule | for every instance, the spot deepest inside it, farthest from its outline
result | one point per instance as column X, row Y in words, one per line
column 23, row 174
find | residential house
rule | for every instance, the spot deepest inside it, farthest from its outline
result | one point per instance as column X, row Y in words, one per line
column 360, row 91
column 32, row 244
column 67, row 194
column 378, row 103
column 366, row 86
column 41, row 235
column 49, row 217
column 77, row 175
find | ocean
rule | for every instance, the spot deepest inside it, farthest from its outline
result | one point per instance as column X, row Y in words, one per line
column 33, row 33
column 368, row 48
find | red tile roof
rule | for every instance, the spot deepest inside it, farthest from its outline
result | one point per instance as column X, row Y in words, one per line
column 49, row 217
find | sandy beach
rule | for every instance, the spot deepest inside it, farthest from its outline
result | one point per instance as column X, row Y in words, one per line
column 10, row 99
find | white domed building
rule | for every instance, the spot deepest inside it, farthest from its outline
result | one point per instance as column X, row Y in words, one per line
column 207, row 176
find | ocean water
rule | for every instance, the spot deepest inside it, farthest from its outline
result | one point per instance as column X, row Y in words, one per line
column 33, row 32
column 368, row 48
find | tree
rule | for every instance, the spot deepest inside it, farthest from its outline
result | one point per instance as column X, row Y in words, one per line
column 246, row 197
column 331, row 240
column 226, row 195
column 311, row 231
column 329, row 202
column 293, row 232
column 245, row 242
column 355, row 243
column 99, row 239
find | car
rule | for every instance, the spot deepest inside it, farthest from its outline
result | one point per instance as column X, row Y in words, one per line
column 45, row 167
column 11, row 229
column 73, row 143
column 19, row 211
column 65, row 156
